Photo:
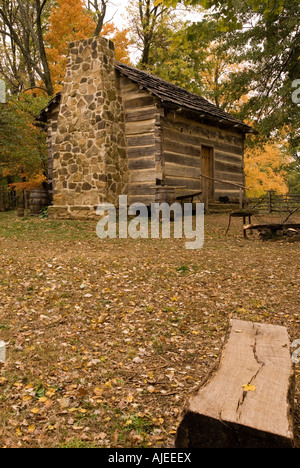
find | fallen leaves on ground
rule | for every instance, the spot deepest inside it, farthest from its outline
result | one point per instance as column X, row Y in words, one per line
column 107, row 339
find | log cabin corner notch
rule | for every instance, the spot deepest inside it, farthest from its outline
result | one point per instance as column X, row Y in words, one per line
column 117, row 130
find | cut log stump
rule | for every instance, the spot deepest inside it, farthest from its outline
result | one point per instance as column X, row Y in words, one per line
column 2, row 354
column 248, row 401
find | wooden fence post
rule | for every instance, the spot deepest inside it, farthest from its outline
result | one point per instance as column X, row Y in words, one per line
column 270, row 200
column 206, row 194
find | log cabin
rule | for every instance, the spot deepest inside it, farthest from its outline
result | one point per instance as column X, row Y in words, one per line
column 116, row 130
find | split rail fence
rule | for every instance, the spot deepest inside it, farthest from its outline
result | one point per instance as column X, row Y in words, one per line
column 274, row 203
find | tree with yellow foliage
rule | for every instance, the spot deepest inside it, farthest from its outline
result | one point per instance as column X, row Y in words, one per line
column 216, row 71
column 69, row 21
column 265, row 169
column 121, row 41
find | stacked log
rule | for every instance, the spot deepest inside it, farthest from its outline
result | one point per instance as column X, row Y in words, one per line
column 290, row 234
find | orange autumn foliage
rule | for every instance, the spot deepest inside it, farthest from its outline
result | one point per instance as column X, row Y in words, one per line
column 34, row 182
column 265, row 169
column 120, row 40
column 69, row 21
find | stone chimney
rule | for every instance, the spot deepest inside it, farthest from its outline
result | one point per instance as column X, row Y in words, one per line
column 89, row 157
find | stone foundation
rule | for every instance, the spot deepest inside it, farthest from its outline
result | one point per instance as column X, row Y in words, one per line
column 73, row 212
column 89, row 153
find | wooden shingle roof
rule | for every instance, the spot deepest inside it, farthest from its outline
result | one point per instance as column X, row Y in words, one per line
column 170, row 95
column 177, row 97
column 43, row 115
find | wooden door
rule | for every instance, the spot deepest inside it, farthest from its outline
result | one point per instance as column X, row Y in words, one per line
column 207, row 170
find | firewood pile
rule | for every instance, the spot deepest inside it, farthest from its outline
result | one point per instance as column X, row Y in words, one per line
column 289, row 234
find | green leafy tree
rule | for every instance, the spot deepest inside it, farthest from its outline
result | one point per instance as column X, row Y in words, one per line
column 293, row 177
column 146, row 20
column 174, row 58
column 264, row 34
column 23, row 152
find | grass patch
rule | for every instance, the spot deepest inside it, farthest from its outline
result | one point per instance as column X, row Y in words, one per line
column 107, row 339
column 77, row 444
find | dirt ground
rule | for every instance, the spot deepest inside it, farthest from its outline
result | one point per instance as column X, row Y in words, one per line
column 106, row 339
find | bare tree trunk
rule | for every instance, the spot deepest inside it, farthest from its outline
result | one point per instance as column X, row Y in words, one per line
column 149, row 17
column 23, row 24
column 42, row 50
column 99, row 10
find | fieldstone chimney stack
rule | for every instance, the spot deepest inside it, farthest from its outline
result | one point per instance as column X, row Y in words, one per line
column 89, row 157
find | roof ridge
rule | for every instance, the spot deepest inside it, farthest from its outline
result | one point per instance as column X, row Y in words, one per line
column 169, row 83
column 212, row 109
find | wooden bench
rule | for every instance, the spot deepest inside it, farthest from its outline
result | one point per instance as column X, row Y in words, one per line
column 247, row 401
column 190, row 196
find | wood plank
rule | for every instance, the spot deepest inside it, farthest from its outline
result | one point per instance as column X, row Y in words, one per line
column 141, row 151
column 134, row 93
column 141, row 127
column 207, row 130
column 237, row 177
column 143, row 163
column 190, row 126
column 180, row 170
column 147, row 113
column 187, row 183
column 220, row 186
column 173, row 133
column 147, row 175
column 228, row 167
column 223, row 147
column 220, row 148
column 228, row 157
column 134, row 102
column 199, row 138
column 247, row 402
column 181, row 148
column 182, row 159
column 141, row 140
column 141, row 189
column 273, row 226
column 127, row 86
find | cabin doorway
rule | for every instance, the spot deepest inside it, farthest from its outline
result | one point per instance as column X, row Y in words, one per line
column 207, row 171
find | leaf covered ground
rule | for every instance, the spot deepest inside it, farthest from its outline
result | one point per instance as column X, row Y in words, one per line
column 107, row 338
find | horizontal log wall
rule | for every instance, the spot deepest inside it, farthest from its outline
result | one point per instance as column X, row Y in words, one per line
column 143, row 137
column 182, row 140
